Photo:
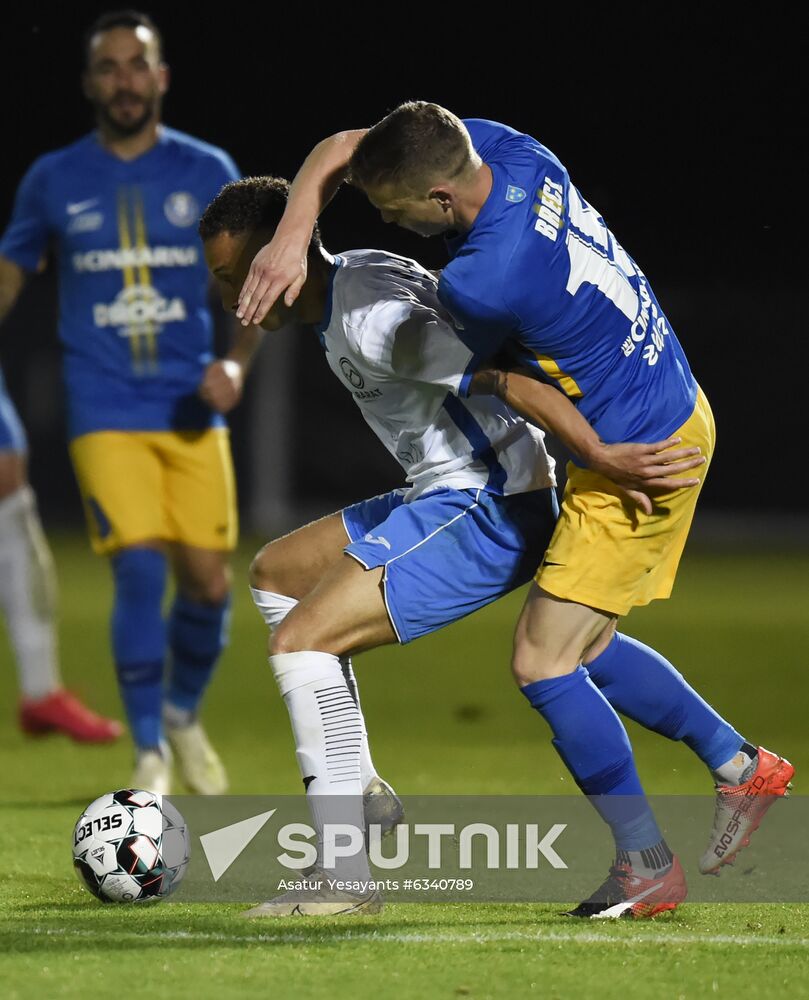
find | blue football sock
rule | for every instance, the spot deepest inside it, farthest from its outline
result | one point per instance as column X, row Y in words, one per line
column 197, row 635
column 592, row 742
column 139, row 639
column 642, row 685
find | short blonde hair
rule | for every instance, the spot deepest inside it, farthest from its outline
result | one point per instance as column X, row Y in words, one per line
column 414, row 147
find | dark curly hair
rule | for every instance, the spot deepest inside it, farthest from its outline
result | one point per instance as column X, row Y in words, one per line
column 246, row 205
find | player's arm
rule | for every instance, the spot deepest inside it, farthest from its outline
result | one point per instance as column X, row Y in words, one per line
column 636, row 468
column 24, row 244
column 223, row 382
column 12, row 280
column 281, row 264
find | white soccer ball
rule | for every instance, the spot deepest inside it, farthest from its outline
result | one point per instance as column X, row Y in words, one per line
column 130, row 846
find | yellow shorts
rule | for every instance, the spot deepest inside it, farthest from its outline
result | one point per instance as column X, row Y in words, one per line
column 608, row 554
column 177, row 486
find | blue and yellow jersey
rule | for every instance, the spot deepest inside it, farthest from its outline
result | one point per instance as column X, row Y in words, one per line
column 134, row 318
column 541, row 276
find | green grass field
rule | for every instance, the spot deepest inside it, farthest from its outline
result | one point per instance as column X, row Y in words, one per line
column 443, row 717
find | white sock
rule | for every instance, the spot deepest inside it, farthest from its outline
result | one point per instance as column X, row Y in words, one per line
column 274, row 608
column 28, row 594
column 739, row 768
column 367, row 769
column 327, row 727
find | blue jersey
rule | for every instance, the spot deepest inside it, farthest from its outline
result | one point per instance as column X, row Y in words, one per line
column 541, row 276
column 134, row 318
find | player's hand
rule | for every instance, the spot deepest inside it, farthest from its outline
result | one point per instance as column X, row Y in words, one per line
column 222, row 384
column 645, row 470
column 277, row 267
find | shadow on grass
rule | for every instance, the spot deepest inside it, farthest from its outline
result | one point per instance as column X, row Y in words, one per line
column 108, row 929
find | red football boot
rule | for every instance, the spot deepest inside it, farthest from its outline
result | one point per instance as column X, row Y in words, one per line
column 626, row 894
column 741, row 808
column 62, row 712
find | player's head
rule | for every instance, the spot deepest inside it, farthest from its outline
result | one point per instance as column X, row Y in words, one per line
column 240, row 220
column 412, row 164
column 125, row 77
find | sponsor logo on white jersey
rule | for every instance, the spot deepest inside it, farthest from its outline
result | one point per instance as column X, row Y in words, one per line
column 181, row 209
column 118, row 259
column 351, row 375
column 139, row 310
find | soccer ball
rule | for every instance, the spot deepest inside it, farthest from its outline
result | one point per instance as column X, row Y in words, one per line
column 130, row 846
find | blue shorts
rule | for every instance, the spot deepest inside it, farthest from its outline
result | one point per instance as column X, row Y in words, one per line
column 12, row 435
column 449, row 552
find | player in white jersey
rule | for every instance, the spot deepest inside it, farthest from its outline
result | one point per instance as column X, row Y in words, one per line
column 471, row 526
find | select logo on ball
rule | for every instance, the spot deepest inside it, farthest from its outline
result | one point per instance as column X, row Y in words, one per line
column 130, row 846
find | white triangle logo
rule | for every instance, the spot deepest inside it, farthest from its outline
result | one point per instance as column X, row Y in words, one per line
column 223, row 846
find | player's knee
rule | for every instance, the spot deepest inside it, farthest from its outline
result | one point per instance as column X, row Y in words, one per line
column 301, row 632
column 529, row 664
column 263, row 573
column 212, row 588
column 597, row 647
column 288, row 637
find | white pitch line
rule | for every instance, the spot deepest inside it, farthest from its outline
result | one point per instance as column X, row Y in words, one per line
column 441, row 937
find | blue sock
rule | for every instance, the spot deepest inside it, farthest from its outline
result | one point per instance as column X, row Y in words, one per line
column 139, row 639
column 592, row 742
column 197, row 635
column 642, row 685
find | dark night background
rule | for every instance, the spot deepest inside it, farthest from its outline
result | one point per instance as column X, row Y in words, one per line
column 686, row 133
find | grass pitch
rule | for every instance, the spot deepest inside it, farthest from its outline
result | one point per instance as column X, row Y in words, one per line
column 443, row 717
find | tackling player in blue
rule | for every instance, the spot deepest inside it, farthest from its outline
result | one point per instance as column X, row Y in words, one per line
column 145, row 395
column 535, row 274
column 471, row 525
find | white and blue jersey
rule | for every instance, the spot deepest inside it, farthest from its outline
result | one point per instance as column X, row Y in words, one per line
column 390, row 343
column 480, row 509
column 541, row 276
column 12, row 434
column 134, row 316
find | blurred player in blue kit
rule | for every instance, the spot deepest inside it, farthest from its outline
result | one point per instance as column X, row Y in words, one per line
column 145, row 397
column 535, row 273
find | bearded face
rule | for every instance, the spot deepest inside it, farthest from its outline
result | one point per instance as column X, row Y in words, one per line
column 125, row 79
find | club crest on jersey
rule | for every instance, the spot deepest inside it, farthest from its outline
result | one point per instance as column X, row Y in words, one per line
column 514, row 193
column 351, row 375
column 181, row 209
